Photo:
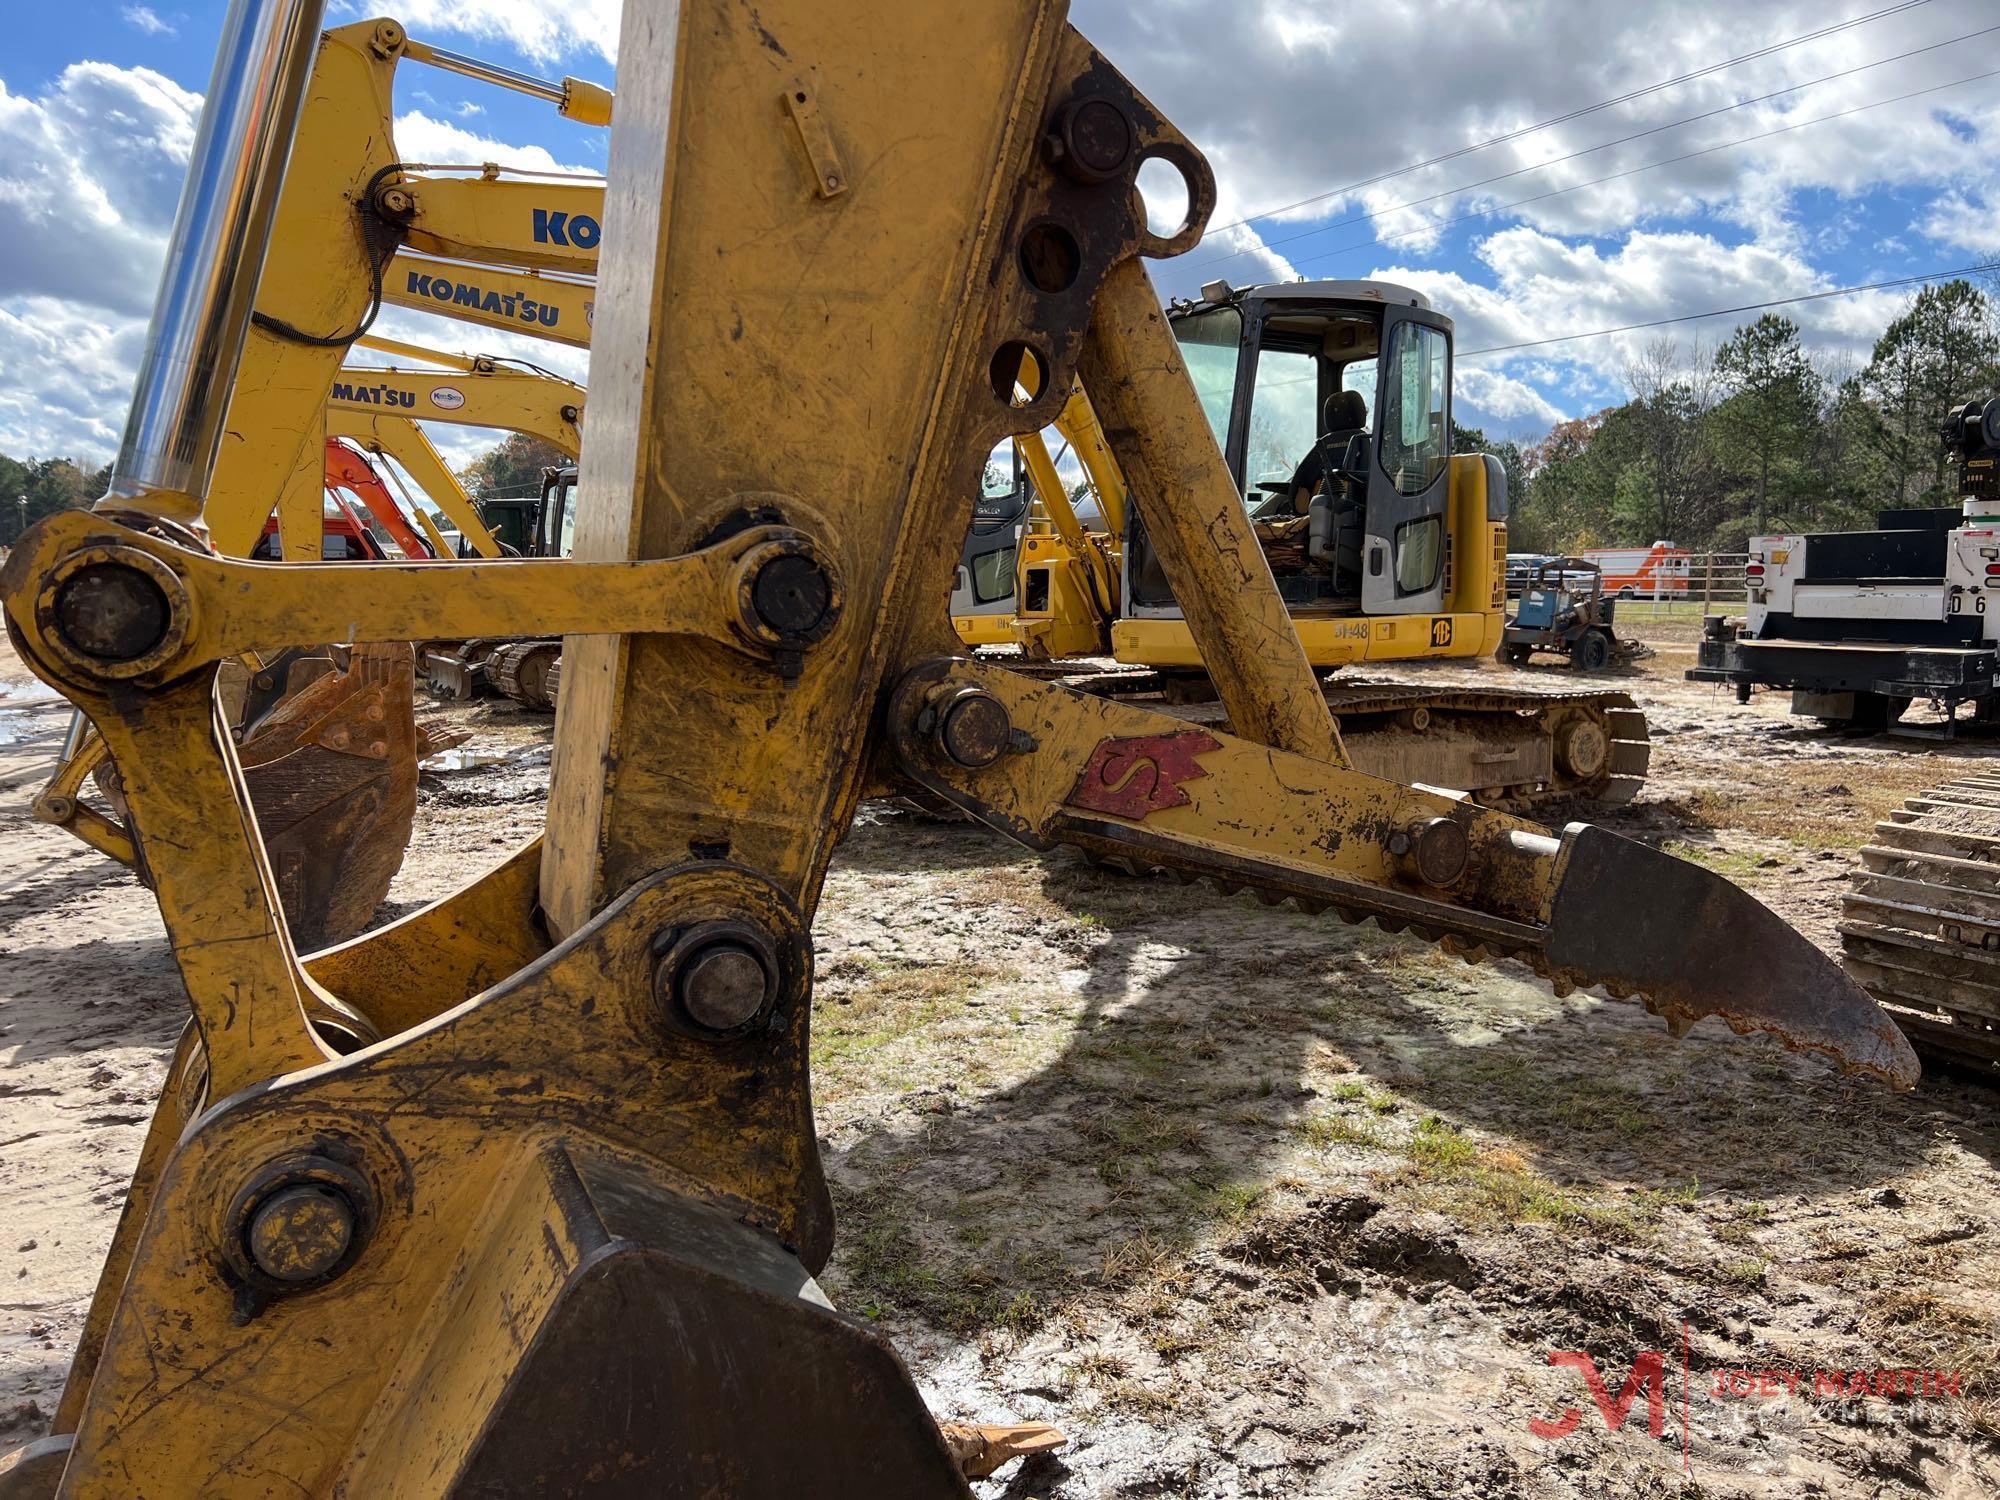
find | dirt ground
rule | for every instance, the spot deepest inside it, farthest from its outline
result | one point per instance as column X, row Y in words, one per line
column 1249, row 1203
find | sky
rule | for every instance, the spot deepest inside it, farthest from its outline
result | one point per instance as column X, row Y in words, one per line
column 1347, row 140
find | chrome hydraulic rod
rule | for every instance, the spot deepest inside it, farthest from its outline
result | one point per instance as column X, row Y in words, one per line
column 214, row 258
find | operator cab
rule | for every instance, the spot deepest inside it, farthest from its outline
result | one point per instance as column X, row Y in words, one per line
column 1331, row 401
column 984, row 582
column 538, row 525
column 555, row 521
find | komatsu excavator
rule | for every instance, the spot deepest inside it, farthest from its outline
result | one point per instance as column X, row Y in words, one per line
column 521, row 1194
column 359, row 228
column 1386, row 547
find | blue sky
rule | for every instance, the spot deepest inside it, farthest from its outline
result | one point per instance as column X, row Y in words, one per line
column 1291, row 101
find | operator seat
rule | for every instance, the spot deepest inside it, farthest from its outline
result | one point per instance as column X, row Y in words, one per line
column 1345, row 493
column 1345, row 416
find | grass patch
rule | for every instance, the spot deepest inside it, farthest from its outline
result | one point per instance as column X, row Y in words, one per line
column 1747, row 1272
column 1441, row 1147
column 1323, row 1130
column 1494, row 1186
column 882, row 1269
column 894, row 1003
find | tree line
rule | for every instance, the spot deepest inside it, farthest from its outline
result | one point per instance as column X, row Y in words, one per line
column 1757, row 435
column 31, row 488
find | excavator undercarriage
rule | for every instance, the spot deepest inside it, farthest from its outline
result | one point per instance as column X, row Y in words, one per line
column 1510, row 749
column 522, row 1194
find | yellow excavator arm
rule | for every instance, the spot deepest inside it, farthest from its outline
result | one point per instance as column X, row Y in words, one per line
column 462, row 390
column 507, row 298
column 522, row 1193
column 363, row 227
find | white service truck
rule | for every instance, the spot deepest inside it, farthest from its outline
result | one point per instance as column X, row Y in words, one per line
column 1857, row 625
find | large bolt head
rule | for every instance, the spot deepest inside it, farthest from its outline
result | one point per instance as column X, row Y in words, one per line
column 300, row 1233
column 111, row 612
column 791, row 595
column 722, row 987
column 1095, row 140
column 973, row 729
column 1442, row 852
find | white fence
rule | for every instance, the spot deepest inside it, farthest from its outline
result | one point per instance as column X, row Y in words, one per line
column 1712, row 585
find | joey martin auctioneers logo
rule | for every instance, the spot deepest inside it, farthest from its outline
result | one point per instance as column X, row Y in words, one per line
column 1651, row 1376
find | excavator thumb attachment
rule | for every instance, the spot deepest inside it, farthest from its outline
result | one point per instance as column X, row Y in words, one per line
column 1639, row 922
column 1145, row 792
column 329, row 744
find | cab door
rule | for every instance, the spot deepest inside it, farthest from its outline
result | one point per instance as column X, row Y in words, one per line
column 1405, row 533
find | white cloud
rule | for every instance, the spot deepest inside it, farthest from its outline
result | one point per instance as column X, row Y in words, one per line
column 1965, row 220
column 546, row 31
column 1494, row 394
column 89, row 174
column 468, row 109
column 67, row 378
column 142, row 17
column 1290, row 108
column 1288, row 105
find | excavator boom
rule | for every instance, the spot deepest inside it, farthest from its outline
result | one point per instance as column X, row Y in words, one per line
column 522, row 1193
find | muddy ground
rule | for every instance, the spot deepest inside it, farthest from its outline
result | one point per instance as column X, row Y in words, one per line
column 1249, row 1203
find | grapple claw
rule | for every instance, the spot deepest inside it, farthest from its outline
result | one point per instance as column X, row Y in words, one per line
column 1630, row 918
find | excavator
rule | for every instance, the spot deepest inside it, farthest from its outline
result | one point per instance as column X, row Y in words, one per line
column 521, row 1194
column 1386, row 546
column 337, row 776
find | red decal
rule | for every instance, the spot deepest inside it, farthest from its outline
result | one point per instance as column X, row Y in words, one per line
column 1135, row 778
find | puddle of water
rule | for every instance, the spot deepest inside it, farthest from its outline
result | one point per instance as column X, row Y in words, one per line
column 462, row 758
column 19, row 693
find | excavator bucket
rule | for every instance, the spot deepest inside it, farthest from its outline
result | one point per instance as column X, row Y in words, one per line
column 332, row 772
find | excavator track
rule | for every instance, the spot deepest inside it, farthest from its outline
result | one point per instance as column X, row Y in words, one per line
column 1518, row 750
column 523, row 671
column 1920, row 931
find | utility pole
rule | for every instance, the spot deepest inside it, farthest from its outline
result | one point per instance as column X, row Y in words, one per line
column 21, row 509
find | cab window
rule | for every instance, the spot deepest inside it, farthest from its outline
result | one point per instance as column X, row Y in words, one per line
column 1414, row 445
column 1419, row 554
column 1209, row 342
column 993, row 575
column 1284, row 415
column 566, row 529
column 1360, row 377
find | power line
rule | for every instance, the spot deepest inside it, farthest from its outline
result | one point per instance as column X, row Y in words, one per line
column 1556, row 161
column 1574, row 114
column 1724, row 312
column 1577, row 187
